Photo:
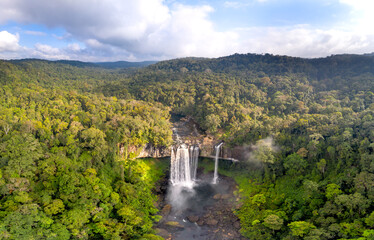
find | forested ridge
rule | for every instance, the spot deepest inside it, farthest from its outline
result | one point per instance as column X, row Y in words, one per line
column 62, row 128
column 62, row 174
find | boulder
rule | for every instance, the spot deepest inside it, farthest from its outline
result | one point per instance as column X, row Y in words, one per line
column 193, row 219
column 212, row 222
column 162, row 232
column 200, row 222
column 237, row 225
column 225, row 196
column 166, row 210
column 217, row 196
column 174, row 224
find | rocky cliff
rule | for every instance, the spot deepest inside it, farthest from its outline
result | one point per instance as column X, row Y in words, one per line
column 187, row 131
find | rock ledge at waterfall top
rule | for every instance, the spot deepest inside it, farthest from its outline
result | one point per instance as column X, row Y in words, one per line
column 190, row 133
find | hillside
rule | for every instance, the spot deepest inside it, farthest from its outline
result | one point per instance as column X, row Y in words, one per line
column 107, row 65
column 309, row 124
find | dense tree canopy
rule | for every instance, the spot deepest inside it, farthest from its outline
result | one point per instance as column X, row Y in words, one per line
column 66, row 172
column 62, row 173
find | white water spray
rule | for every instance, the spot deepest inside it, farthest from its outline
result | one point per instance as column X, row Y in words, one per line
column 184, row 164
column 177, row 137
column 194, row 160
column 215, row 177
column 180, row 166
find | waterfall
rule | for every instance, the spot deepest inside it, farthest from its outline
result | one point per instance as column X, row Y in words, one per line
column 177, row 137
column 216, row 163
column 173, row 167
column 180, row 166
column 194, row 159
column 184, row 163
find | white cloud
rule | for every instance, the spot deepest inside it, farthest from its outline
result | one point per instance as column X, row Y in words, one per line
column 241, row 4
column 304, row 41
column 35, row 33
column 141, row 28
column 47, row 52
column 152, row 29
column 74, row 47
column 362, row 15
column 190, row 33
column 43, row 48
column 231, row 4
column 8, row 42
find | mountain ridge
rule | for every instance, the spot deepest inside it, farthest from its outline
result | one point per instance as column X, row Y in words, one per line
column 82, row 64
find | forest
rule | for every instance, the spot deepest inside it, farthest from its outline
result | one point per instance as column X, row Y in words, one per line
column 67, row 129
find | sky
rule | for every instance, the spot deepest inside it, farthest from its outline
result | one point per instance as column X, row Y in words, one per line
column 138, row 30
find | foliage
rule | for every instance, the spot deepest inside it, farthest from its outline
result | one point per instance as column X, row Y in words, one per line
column 64, row 166
column 67, row 171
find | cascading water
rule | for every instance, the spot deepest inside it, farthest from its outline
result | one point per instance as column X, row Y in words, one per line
column 184, row 162
column 215, row 177
column 173, row 168
column 188, row 196
column 180, row 166
column 177, row 137
column 194, row 159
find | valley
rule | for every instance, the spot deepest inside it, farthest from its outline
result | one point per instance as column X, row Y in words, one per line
column 74, row 142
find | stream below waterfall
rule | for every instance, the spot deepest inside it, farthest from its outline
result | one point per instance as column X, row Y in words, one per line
column 203, row 212
column 194, row 204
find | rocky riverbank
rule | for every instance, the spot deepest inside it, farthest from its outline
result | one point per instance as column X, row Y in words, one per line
column 204, row 212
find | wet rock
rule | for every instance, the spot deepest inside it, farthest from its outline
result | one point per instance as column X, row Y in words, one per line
column 225, row 196
column 209, row 208
column 161, row 200
column 237, row 225
column 174, row 224
column 212, row 222
column 200, row 222
column 216, row 220
column 162, row 232
column 217, row 196
column 166, row 210
column 163, row 189
column 193, row 219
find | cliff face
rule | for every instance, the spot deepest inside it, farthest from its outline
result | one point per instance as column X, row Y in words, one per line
column 154, row 152
column 206, row 150
column 187, row 131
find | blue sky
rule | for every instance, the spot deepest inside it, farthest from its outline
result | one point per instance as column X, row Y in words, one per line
column 136, row 30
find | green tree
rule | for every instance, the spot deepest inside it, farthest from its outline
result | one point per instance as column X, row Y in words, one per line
column 294, row 164
column 300, row 228
column 273, row 222
column 212, row 123
column 20, row 154
column 321, row 166
column 332, row 191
